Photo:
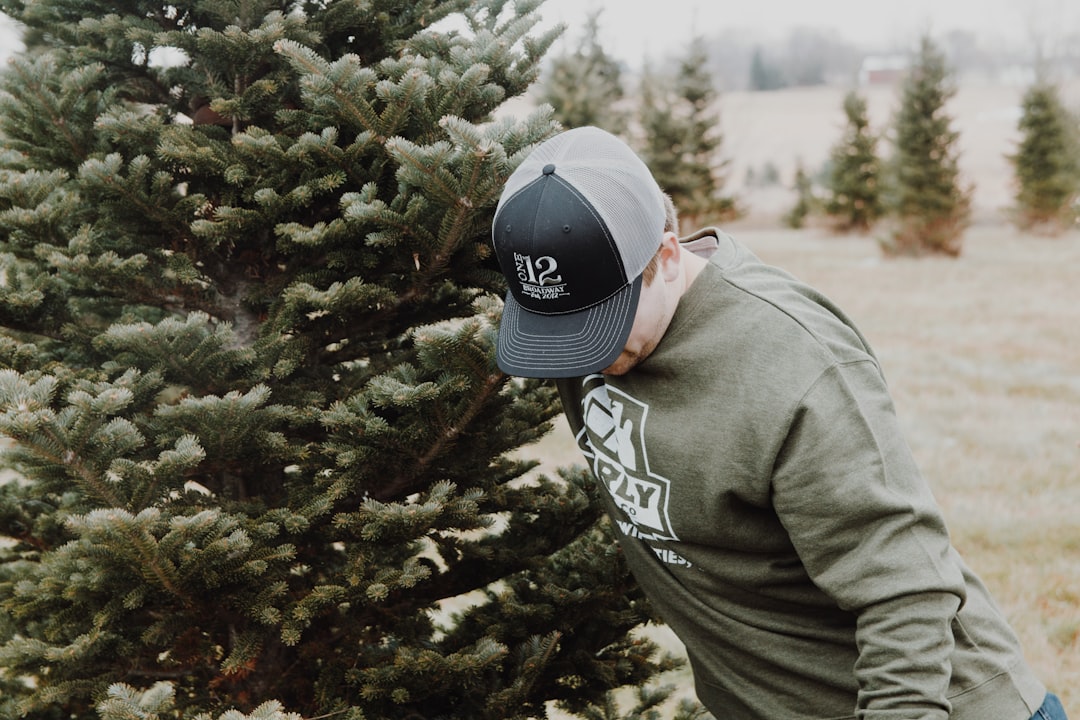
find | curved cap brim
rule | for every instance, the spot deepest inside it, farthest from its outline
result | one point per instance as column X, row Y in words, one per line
column 566, row 345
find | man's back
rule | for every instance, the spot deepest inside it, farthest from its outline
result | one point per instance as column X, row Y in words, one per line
column 774, row 515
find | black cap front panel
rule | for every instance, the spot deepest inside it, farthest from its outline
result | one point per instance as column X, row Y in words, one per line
column 555, row 250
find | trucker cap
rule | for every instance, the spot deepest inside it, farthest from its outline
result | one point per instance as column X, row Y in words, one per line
column 575, row 226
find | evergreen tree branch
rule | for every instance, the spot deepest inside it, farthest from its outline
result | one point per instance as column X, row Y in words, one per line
column 413, row 477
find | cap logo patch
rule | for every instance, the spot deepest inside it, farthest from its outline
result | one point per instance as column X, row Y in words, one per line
column 538, row 277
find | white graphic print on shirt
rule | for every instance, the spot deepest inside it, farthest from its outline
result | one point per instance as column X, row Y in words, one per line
column 612, row 440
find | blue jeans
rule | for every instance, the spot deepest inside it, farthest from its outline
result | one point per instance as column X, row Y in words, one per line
column 1051, row 709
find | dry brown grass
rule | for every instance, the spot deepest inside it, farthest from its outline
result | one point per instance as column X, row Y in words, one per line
column 983, row 357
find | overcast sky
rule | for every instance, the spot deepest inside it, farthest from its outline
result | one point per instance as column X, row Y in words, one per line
column 633, row 30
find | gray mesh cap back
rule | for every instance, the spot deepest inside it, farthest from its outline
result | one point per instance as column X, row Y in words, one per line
column 576, row 225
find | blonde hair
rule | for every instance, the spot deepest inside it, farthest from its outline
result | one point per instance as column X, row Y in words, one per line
column 671, row 224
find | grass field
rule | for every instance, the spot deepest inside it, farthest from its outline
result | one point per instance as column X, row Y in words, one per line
column 983, row 357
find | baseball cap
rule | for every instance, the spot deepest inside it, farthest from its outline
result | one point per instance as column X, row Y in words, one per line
column 575, row 226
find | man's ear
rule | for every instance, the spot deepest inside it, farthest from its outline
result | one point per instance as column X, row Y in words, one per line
column 670, row 256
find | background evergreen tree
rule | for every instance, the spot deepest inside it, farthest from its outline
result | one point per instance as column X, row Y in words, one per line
column 681, row 140
column 932, row 209
column 764, row 74
column 585, row 86
column 806, row 201
column 1046, row 164
column 854, row 201
column 261, row 452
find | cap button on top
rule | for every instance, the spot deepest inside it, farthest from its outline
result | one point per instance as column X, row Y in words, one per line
column 549, row 169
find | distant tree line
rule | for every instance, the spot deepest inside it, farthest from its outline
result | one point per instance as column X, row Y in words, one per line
column 808, row 56
column 916, row 193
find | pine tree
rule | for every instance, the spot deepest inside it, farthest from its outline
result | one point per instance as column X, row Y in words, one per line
column 764, row 75
column 264, row 463
column 854, row 200
column 806, row 201
column 585, row 86
column 682, row 143
column 932, row 209
column 1046, row 164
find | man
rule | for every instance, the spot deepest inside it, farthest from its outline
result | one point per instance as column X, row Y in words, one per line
column 740, row 424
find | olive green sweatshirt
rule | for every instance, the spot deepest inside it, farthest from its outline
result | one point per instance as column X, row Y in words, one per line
column 771, row 510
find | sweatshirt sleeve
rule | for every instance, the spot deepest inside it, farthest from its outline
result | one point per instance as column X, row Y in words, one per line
column 870, row 534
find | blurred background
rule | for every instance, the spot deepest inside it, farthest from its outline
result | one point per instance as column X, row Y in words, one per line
column 783, row 67
column 993, row 32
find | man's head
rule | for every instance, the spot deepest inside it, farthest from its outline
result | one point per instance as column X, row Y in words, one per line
column 576, row 226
